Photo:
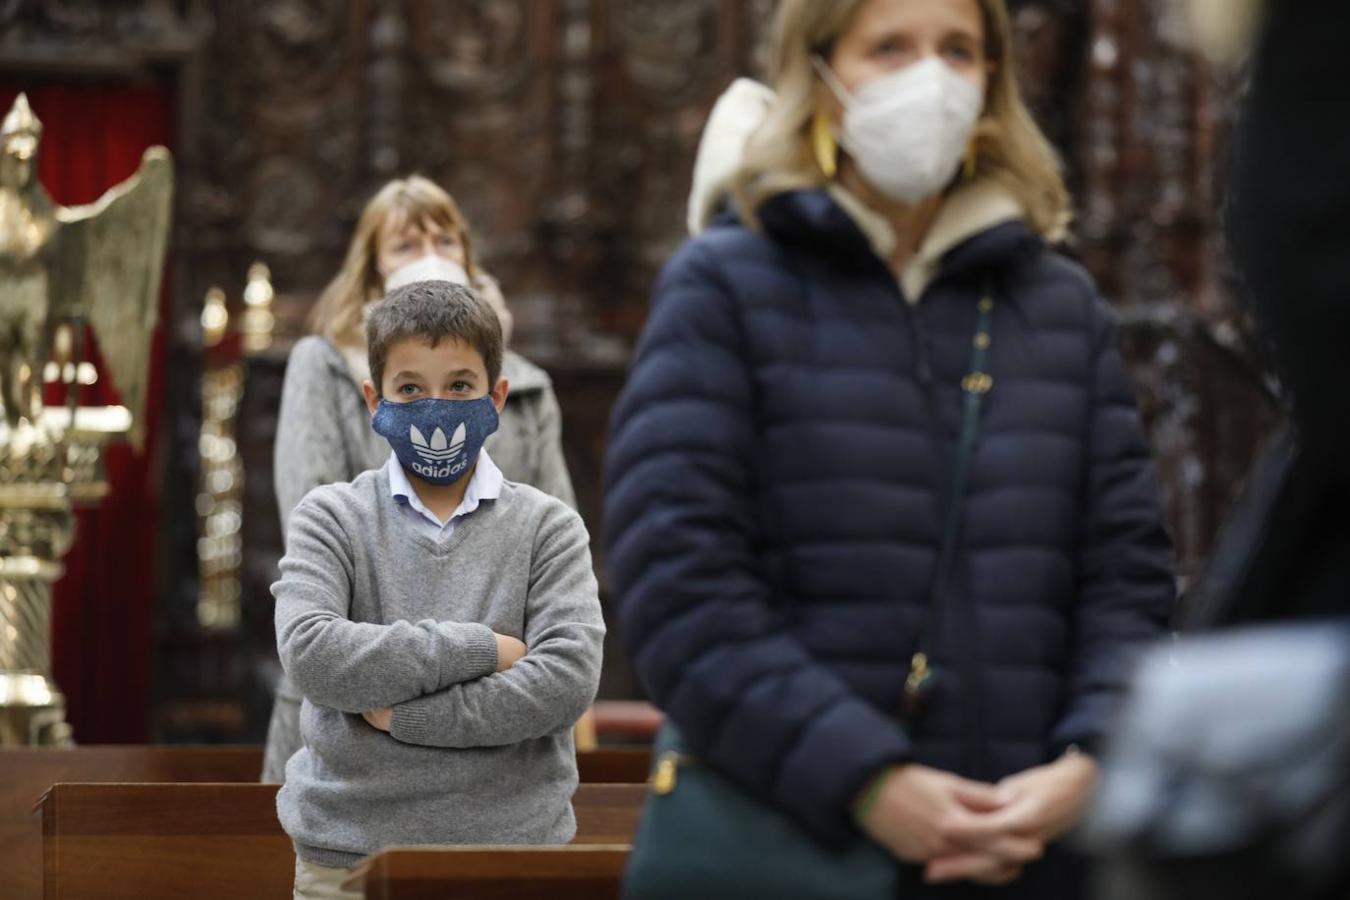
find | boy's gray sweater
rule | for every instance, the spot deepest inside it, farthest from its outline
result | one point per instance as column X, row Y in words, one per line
column 371, row 613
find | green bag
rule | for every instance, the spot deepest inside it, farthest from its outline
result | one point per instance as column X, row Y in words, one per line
column 703, row 837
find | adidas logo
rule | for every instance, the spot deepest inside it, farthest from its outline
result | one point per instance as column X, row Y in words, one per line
column 439, row 453
column 437, row 450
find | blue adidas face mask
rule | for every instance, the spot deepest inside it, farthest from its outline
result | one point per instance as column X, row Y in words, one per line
column 436, row 440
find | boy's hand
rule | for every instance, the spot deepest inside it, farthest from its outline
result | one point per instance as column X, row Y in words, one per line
column 379, row 718
column 508, row 651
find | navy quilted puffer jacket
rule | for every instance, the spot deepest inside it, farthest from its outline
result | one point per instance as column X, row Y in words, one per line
column 776, row 476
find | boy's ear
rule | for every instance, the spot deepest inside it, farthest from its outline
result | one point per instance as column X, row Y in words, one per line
column 499, row 392
column 372, row 396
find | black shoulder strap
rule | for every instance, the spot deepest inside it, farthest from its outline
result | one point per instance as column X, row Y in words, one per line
column 974, row 386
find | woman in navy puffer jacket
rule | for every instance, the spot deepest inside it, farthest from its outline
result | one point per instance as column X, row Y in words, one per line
column 782, row 456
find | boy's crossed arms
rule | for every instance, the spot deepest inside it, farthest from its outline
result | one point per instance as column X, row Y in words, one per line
column 434, row 683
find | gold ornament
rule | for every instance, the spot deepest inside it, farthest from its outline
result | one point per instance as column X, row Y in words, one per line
column 60, row 268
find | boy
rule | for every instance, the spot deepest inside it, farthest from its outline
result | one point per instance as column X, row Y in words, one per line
column 402, row 606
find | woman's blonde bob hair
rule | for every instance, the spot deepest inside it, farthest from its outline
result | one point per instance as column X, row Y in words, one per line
column 1010, row 146
column 412, row 202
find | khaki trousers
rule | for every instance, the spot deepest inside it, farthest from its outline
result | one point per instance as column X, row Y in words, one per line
column 316, row 882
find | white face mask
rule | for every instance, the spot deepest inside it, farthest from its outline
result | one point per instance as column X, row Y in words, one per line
column 908, row 130
column 437, row 268
column 426, row 268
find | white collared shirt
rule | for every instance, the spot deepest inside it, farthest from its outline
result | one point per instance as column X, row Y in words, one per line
column 485, row 484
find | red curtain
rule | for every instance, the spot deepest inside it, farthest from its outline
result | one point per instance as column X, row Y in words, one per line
column 93, row 137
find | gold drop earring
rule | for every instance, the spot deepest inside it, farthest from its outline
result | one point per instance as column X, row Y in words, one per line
column 823, row 145
column 972, row 160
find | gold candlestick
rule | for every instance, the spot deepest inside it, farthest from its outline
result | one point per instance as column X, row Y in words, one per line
column 46, row 471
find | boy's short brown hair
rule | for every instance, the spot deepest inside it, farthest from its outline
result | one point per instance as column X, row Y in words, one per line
column 433, row 311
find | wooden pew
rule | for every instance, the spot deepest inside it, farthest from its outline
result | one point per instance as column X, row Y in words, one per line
column 614, row 766
column 26, row 772
column 164, row 840
column 153, row 841
column 608, row 813
column 627, row 720
column 576, row 872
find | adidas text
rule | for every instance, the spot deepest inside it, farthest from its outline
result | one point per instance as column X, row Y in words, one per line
column 440, row 472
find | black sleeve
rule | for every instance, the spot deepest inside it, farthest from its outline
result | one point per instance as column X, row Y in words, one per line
column 1289, row 217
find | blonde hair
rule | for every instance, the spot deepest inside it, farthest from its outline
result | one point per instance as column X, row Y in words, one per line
column 414, row 202
column 1010, row 146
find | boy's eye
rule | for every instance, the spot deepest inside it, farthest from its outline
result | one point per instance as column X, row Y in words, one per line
column 461, row 387
column 407, row 390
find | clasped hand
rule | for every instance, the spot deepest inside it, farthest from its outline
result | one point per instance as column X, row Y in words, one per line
column 960, row 829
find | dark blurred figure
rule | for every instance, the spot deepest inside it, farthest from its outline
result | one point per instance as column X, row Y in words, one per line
column 1289, row 230
column 1229, row 775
